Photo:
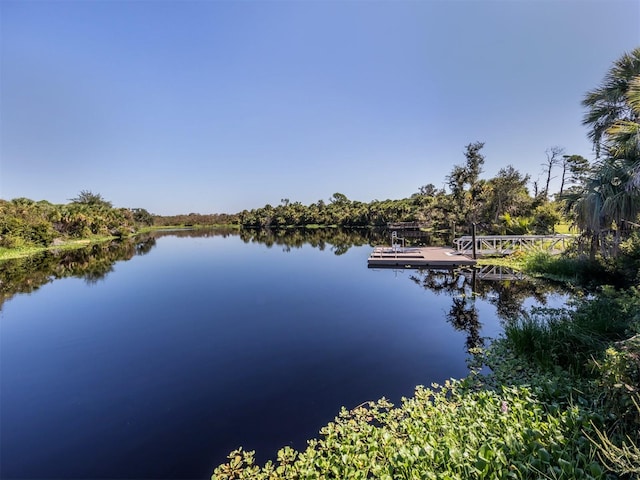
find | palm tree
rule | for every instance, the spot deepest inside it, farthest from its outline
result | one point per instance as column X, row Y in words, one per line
column 624, row 135
column 609, row 104
column 610, row 197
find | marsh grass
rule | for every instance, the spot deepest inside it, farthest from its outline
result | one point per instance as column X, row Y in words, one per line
column 576, row 270
column 571, row 337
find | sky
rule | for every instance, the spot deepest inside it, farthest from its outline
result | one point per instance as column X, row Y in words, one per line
column 218, row 106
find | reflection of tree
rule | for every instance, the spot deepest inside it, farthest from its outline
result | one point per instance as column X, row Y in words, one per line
column 144, row 244
column 93, row 263
column 340, row 240
column 195, row 232
column 463, row 314
column 508, row 296
column 464, row 317
column 465, row 286
column 440, row 281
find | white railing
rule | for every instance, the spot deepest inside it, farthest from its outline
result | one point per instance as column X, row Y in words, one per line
column 506, row 244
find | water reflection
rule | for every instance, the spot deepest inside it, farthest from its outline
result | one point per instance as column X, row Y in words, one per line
column 505, row 289
column 463, row 316
column 93, row 264
column 337, row 239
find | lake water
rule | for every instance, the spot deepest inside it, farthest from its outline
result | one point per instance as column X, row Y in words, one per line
column 160, row 365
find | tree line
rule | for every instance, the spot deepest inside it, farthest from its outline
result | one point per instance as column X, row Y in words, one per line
column 499, row 205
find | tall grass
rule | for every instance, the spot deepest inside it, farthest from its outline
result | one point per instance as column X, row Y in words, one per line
column 577, row 270
column 570, row 338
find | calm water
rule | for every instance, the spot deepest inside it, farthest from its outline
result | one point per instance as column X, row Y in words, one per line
column 158, row 366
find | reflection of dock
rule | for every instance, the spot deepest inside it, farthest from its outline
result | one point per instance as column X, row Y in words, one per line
column 399, row 256
column 497, row 273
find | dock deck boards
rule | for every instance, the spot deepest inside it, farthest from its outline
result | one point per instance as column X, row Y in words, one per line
column 417, row 257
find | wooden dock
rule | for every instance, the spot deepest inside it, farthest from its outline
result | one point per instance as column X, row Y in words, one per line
column 408, row 257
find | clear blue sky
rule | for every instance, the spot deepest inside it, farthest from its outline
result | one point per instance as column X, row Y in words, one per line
column 217, row 106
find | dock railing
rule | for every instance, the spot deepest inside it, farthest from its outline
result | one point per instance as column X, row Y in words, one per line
column 506, row 244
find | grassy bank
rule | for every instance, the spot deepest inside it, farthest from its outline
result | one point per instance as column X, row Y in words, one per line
column 73, row 244
column 25, row 251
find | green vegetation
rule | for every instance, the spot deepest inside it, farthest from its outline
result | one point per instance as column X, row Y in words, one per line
column 442, row 432
column 194, row 220
column 25, row 224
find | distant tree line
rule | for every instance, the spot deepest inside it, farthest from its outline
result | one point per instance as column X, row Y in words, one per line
column 501, row 204
column 195, row 219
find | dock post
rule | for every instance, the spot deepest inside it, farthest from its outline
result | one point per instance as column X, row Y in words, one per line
column 473, row 238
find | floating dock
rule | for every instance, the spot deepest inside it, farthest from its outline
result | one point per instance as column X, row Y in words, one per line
column 407, row 257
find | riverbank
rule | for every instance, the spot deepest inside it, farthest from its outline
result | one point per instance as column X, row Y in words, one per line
column 26, row 251
column 74, row 244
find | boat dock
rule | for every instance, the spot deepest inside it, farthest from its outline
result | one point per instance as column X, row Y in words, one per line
column 407, row 257
column 399, row 255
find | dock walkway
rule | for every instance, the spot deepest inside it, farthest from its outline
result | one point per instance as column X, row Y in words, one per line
column 396, row 256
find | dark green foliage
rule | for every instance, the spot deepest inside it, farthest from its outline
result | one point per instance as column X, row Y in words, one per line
column 194, row 219
column 471, row 199
column 142, row 217
column 609, row 103
column 628, row 262
column 545, row 217
column 25, row 222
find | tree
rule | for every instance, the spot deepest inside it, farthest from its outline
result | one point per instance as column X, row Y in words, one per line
column 608, row 104
column 574, row 170
column 89, row 198
column 467, row 174
column 610, row 198
column 463, row 176
column 428, row 190
column 142, row 216
column 554, row 157
column 507, row 193
column 624, row 135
